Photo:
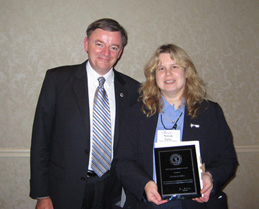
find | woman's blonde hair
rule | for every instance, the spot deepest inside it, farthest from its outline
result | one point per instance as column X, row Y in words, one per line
column 150, row 93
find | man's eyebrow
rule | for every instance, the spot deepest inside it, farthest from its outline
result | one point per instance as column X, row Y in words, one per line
column 117, row 45
column 97, row 40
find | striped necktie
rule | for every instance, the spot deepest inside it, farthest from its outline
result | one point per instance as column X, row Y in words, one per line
column 101, row 141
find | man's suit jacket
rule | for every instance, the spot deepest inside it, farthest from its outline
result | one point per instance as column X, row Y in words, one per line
column 61, row 134
column 135, row 152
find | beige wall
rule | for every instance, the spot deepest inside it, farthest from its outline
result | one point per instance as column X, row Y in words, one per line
column 221, row 36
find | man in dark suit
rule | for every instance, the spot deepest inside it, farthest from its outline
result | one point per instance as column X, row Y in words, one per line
column 62, row 173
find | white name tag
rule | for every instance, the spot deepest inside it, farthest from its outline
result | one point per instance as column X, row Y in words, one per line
column 168, row 136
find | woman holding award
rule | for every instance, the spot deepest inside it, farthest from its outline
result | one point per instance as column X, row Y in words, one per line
column 174, row 109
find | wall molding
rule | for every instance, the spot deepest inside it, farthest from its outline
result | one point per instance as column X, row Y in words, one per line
column 247, row 148
column 26, row 152
column 14, row 153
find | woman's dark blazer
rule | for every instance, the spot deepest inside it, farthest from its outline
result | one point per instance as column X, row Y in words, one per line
column 135, row 156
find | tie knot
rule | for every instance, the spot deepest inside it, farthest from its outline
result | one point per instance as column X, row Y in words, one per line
column 101, row 81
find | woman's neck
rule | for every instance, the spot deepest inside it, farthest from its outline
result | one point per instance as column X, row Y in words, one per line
column 176, row 101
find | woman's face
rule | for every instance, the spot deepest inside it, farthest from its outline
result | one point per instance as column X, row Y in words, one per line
column 170, row 77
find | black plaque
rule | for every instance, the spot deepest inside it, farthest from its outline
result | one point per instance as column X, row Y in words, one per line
column 178, row 174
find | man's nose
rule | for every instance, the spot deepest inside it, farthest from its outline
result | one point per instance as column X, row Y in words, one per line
column 106, row 51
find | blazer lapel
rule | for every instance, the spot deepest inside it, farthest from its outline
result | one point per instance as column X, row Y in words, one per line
column 197, row 129
column 148, row 132
column 186, row 128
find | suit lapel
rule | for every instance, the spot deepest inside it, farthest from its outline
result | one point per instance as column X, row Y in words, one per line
column 81, row 92
column 121, row 94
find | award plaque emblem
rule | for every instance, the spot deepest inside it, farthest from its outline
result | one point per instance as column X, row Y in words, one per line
column 176, row 159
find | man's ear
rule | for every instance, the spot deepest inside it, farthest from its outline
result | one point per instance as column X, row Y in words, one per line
column 86, row 44
column 120, row 53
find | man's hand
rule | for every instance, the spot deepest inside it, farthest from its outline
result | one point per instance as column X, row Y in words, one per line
column 207, row 187
column 44, row 203
column 152, row 193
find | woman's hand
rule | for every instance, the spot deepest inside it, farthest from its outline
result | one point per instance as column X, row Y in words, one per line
column 152, row 193
column 207, row 187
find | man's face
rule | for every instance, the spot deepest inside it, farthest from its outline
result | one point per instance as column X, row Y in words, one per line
column 104, row 49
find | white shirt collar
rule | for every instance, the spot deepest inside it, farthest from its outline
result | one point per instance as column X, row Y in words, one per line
column 91, row 73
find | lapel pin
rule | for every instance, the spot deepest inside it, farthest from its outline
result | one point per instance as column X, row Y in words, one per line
column 195, row 125
column 121, row 95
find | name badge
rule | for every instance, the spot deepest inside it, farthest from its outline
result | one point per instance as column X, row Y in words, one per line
column 168, row 136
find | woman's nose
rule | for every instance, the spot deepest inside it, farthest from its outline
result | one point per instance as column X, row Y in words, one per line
column 168, row 71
